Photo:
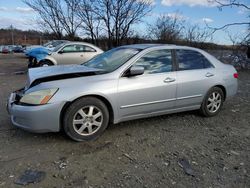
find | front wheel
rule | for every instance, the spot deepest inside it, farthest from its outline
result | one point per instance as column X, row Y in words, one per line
column 45, row 63
column 212, row 102
column 86, row 119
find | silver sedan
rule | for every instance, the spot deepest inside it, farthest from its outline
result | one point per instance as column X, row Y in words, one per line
column 125, row 83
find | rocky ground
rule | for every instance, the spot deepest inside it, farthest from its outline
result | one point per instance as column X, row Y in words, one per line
column 178, row 150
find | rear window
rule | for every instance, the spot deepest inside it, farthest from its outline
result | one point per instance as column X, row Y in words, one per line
column 191, row 60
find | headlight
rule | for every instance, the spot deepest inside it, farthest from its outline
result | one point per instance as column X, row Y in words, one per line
column 39, row 97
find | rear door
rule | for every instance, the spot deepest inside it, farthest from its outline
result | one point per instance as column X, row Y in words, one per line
column 151, row 92
column 195, row 76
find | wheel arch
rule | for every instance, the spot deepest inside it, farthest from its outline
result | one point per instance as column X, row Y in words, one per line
column 223, row 88
column 47, row 59
column 103, row 99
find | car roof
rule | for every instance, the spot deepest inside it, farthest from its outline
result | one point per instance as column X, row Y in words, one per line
column 148, row 46
column 144, row 46
column 75, row 42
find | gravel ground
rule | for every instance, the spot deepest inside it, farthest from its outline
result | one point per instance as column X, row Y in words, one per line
column 141, row 153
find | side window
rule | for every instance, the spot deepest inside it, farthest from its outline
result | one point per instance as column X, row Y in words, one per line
column 190, row 60
column 207, row 64
column 77, row 48
column 89, row 49
column 156, row 62
column 69, row 48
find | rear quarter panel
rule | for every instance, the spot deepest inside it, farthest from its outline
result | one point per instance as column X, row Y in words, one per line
column 229, row 82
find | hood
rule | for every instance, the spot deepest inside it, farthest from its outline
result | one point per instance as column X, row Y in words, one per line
column 31, row 51
column 46, row 74
column 39, row 50
column 32, row 47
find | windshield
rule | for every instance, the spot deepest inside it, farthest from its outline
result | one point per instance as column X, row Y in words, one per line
column 112, row 59
column 57, row 47
column 47, row 44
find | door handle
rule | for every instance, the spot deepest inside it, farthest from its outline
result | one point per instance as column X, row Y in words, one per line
column 168, row 80
column 81, row 55
column 209, row 74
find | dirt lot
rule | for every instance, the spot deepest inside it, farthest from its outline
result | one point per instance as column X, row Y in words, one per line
column 141, row 153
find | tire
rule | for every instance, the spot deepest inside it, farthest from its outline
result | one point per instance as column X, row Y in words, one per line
column 79, row 120
column 213, row 102
column 45, row 63
column 30, row 59
column 30, row 65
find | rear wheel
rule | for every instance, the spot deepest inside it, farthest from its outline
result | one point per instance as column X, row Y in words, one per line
column 212, row 102
column 86, row 119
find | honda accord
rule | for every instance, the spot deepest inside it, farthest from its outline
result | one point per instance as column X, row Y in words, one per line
column 125, row 83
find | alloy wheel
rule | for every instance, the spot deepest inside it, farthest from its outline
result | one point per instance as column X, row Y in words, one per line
column 214, row 102
column 87, row 120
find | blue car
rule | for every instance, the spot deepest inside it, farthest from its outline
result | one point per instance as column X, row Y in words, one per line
column 36, row 53
column 41, row 52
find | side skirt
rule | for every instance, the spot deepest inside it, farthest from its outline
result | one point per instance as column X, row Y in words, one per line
column 158, row 113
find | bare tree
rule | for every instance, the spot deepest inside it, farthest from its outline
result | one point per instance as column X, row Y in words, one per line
column 48, row 10
column 231, row 3
column 195, row 34
column 68, row 17
column 90, row 21
column 237, row 57
column 119, row 15
column 166, row 29
column 57, row 15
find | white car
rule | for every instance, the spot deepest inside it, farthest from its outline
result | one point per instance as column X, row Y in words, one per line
column 68, row 53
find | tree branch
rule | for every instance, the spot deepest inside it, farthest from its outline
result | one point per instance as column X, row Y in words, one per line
column 230, row 4
column 226, row 26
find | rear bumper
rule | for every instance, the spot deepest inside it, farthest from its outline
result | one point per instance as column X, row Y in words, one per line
column 40, row 119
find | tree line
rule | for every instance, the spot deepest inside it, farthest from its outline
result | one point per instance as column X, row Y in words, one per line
column 113, row 22
column 95, row 18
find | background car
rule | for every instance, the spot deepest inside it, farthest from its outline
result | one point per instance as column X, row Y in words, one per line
column 66, row 53
column 35, row 54
column 125, row 83
column 6, row 49
column 18, row 49
column 49, row 46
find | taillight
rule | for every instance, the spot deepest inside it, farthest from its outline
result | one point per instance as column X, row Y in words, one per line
column 236, row 75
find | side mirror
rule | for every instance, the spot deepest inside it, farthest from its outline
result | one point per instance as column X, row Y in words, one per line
column 60, row 52
column 50, row 46
column 136, row 70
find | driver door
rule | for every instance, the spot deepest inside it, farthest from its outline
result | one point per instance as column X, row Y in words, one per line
column 152, row 92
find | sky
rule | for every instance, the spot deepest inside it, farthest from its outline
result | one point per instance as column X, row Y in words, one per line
column 16, row 13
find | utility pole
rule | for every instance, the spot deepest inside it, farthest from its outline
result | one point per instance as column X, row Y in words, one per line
column 12, row 35
column 25, row 42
